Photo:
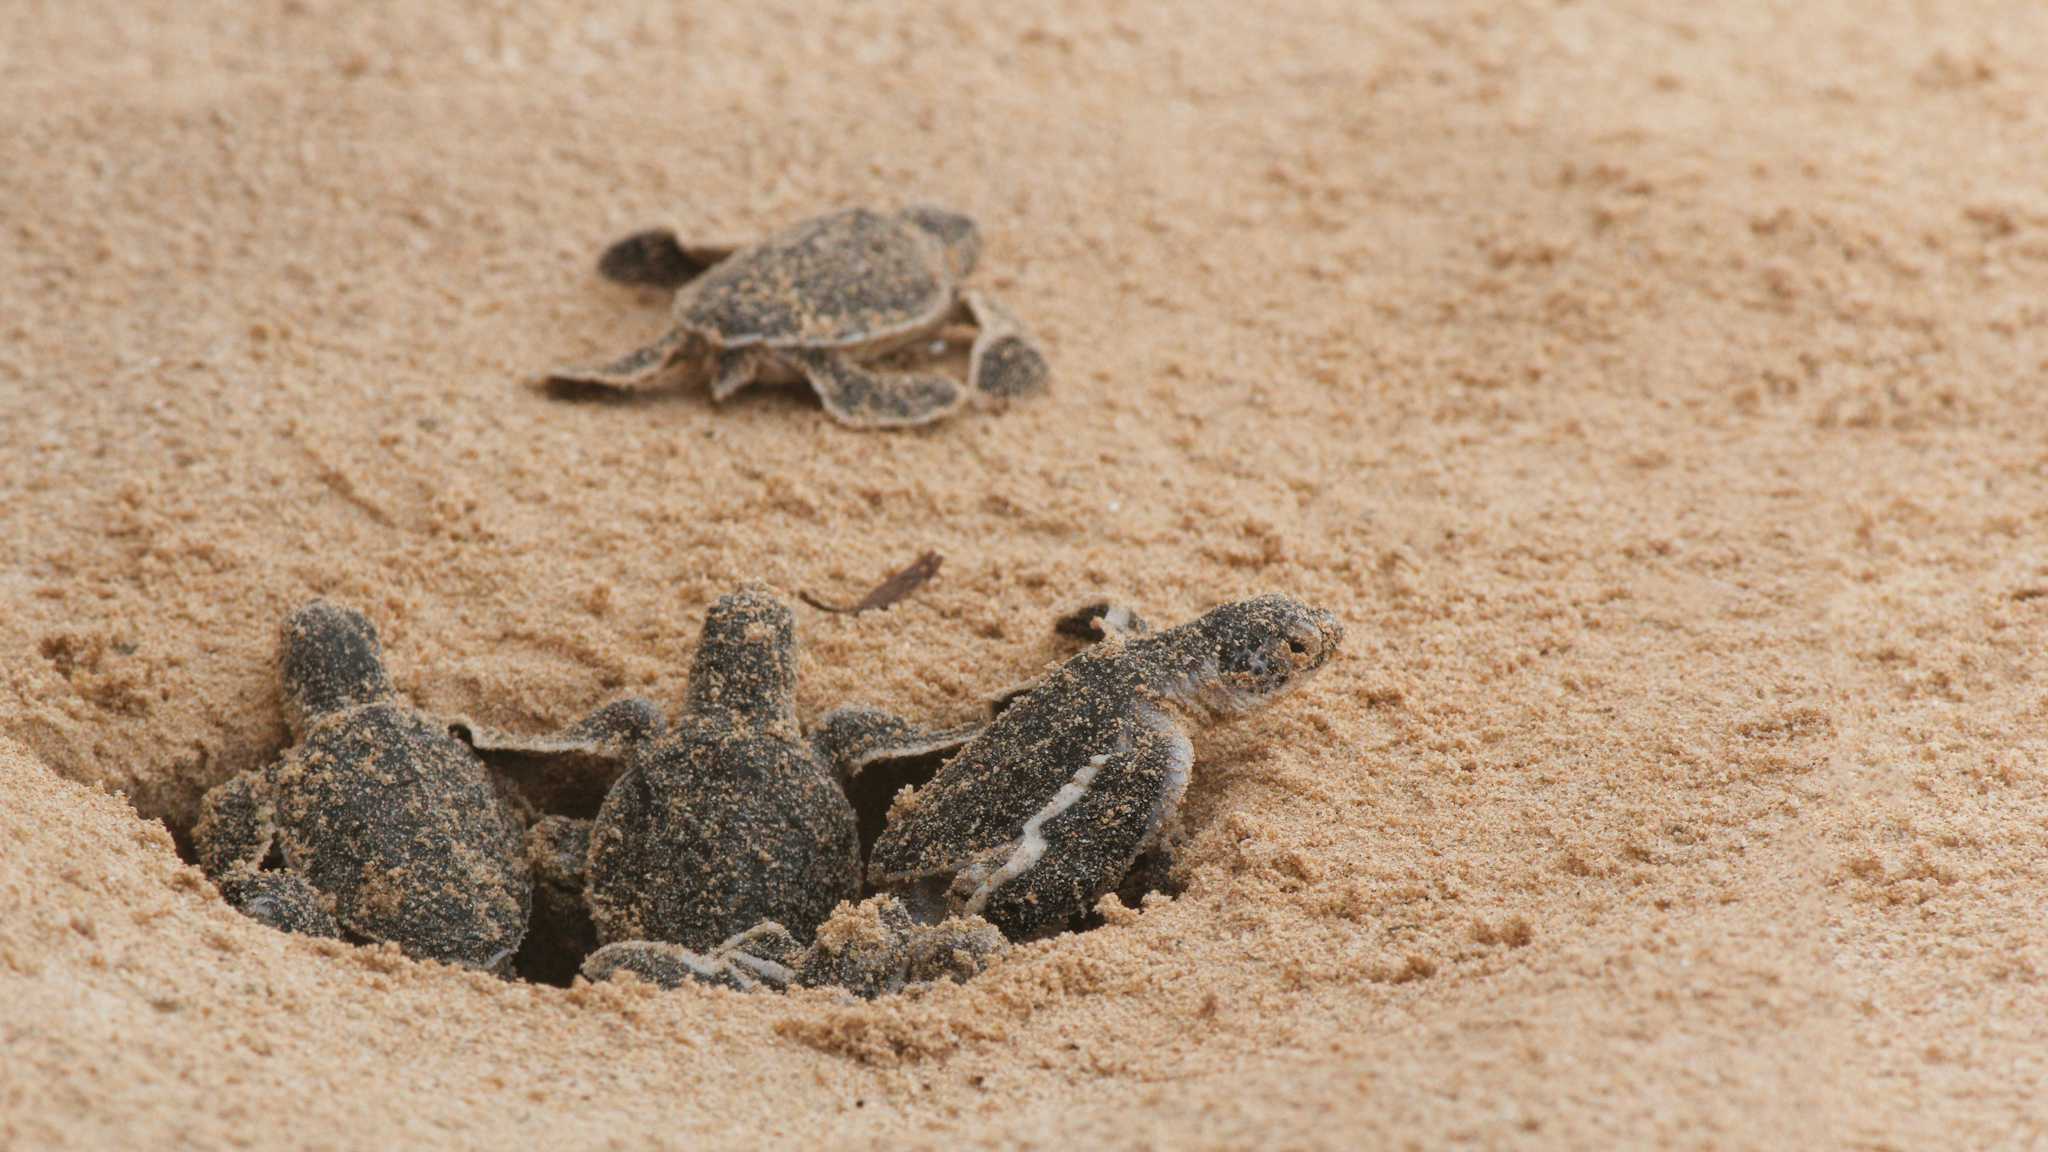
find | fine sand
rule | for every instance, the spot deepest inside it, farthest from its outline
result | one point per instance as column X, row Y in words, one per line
column 1658, row 399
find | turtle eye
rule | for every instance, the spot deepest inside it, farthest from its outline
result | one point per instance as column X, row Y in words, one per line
column 1296, row 646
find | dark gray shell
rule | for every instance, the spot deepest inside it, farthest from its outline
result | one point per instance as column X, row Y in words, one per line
column 747, row 827
column 847, row 279
column 968, row 819
column 398, row 823
column 375, row 813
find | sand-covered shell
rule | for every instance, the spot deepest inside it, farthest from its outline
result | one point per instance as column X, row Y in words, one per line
column 731, row 818
column 396, row 825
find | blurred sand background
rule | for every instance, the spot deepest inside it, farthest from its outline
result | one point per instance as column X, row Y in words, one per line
column 1657, row 396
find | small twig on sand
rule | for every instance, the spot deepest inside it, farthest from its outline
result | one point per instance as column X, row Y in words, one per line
column 889, row 591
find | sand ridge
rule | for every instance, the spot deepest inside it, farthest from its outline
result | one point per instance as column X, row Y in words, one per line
column 1655, row 397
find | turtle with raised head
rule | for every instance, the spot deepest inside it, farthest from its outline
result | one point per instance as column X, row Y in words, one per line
column 376, row 823
column 734, row 817
column 822, row 302
column 1050, row 806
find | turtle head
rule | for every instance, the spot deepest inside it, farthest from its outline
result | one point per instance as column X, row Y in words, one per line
column 332, row 662
column 956, row 233
column 1246, row 654
column 745, row 668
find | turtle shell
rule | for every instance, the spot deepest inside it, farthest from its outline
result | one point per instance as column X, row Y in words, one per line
column 981, row 799
column 399, row 823
column 848, row 279
column 712, row 832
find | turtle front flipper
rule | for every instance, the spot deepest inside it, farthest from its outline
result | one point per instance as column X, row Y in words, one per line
column 1100, row 619
column 656, row 364
column 280, row 900
column 1091, row 621
column 654, row 258
column 610, row 732
column 569, row 769
column 235, row 829
column 1006, row 360
column 875, row 755
column 1084, row 839
column 851, row 739
column 860, row 397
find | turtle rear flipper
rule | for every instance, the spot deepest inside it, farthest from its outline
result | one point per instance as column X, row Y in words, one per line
column 861, row 397
column 734, row 370
column 851, row 739
column 570, row 769
column 648, row 367
column 234, row 829
column 663, row 965
column 1005, row 361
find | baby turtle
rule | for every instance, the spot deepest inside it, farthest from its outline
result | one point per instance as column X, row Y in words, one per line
column 822, row 302
column 732, row 817
column 391, row 821
column 1048, row 808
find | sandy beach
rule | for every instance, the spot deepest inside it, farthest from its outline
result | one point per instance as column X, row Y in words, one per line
column 1657, row 398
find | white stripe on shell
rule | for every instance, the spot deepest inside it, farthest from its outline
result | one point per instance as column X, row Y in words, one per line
column 1031, row 846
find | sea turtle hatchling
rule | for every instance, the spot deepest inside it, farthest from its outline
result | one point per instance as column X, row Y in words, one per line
column 821, row 302
column 1047, row 808
column 733, row 817
column 376, row 817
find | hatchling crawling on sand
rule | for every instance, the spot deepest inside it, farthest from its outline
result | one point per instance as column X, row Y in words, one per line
column 822, row 302
column 377, row 824
column 1048, row 807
